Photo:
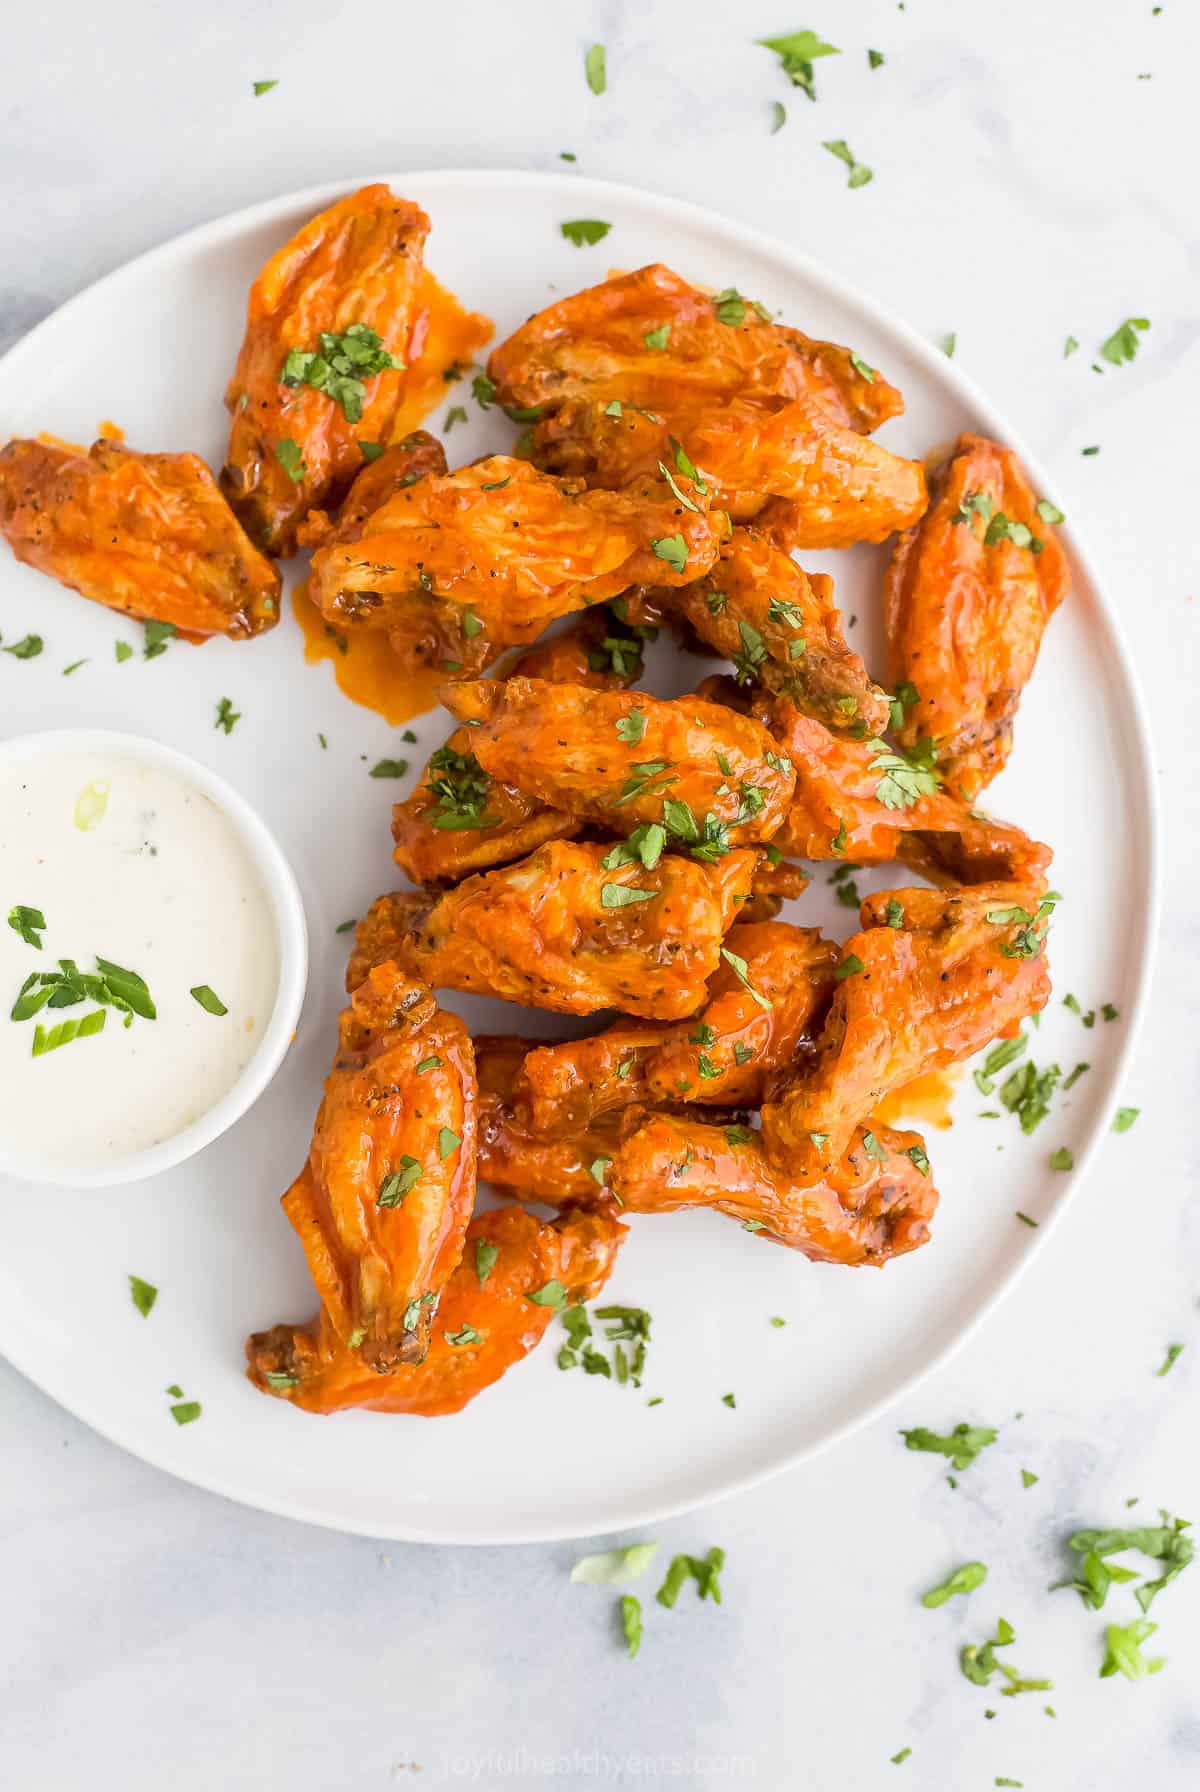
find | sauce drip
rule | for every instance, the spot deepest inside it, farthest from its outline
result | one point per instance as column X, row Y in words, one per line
column 366, row 667
column 926, row 1100
column 444, row 336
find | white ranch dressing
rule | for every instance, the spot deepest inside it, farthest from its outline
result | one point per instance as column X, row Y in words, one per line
column 135, row 865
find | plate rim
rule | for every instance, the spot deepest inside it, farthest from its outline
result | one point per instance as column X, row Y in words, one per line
column 216, row 231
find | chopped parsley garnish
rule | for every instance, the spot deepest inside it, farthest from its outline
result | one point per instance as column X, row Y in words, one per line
column 456, row 414
column 27, row 648
column 1070, row 1081
column 1123, row 1653
column 448, row 1143
column 873, row 1148
column 730, row 307
column 1069, row 346
column 340, row 367
column 875, row 58
column 287, row 453
column 642, row 775
column 631, row 727
column 704, row 1570
column 962, row 1445
column 27, row 922
column 73, row 667
column 1124, row 1119
column 1123, row 344
column 672, row 549
column 780, row 610
column 1062, row 1159
column 631, row 1623
column 123, row 651
column 370, row 450
column 468, row 1335
column 863, row 369
column 902, row 781
column 585, row 231
column 227, row 716
column 728, row 1400
column 614, row 1564
column 1109, row 1012
column 1028, row 1478
column 860, row 174
column 1049, row 513
column 963, row 1580
column 388, row 768
column 208, row 999
column 433, row 1063
column 978, row 1663
column 741, row 971
column 1027, row 1092
column 1174, row 1352
column 595, row 68
column 920, row 1160
column 157, row 636
column 143, row 1295
column 185, row 1412
column 485, row 1259
column 461, row 787
column 658, row 339
column 623, row 895
column 893, row 914
column 752, row 655
column 1167, row 1543
column 797, row 51
column 680, row 497
column 739, row 1135
column 261, row 87
column 412, row 1312
column 838, row 843
column 644, row 846
column 551, row 1294
column 850, row 966
column 395, row 1186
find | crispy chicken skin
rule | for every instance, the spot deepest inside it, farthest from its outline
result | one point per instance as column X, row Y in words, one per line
column 844, row 487
column 593, row 345
column 966, row 607
column 147, row 534
column 623, row 759
column 459, row 818
column 483, row 1324
column 510, row 548
column 781, row 628
column 554, row 1168
column 382, row 1205
column 358, row 262
column 721, row 1058
column 864, row 1208
column 836, row 813
column 428, row 633
column 910, row 998
column 554, row 931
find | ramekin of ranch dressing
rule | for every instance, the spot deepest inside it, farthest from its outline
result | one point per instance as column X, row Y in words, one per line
column 153, row 956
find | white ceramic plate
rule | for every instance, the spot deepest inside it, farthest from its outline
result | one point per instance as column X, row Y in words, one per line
column 544, row 1454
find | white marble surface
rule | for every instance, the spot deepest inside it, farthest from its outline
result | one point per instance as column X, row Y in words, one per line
column 1028, row 186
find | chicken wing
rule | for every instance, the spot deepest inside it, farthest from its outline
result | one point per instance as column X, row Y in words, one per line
column 931, row 979
column 321, row 366
column 968, row 595
column 382, row 1205
column 511, row 549
column 768, row 994
column 861, row 801
column 873, row 1203
column 486, row 1320
column 651, row 339
column 781, row 628
column 551, row 1167
column 844, row 487
column 147, row 534
column 603, row 650
column 705, row 778
column 459, row 818
column 561, row 931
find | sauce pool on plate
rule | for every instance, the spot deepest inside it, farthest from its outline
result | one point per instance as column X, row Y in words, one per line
column 131, row 915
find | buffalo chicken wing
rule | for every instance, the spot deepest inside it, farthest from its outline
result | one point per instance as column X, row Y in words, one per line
column 969, row 593
column 321, row 367
column 147, row 534
column 561, row 930
column 485, row 1321
column 382, row 1205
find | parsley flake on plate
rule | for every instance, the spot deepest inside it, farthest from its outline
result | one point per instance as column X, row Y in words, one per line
column 614, row 1565
column 962, row 1445
column 143, row 1295
column 963, row 1580
column 595, row 67
column 227, row 716
column 27, row 922
column 797, row 51
column 208, row 999
column 583, row 232
column 860, row 174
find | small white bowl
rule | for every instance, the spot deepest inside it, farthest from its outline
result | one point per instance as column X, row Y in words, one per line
column 287, row 908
